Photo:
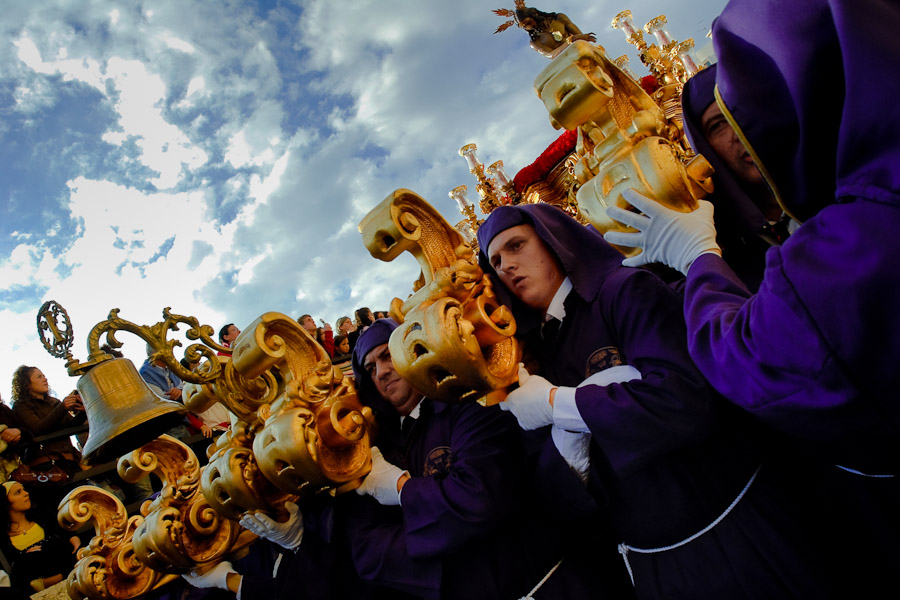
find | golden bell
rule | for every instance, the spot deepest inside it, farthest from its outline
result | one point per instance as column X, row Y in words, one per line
column 123, row 412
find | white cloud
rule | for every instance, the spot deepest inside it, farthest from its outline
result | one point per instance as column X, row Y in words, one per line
column 176, row 43
column 270, row 135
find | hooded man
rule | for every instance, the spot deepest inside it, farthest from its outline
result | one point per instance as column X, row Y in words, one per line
column 748, row 220
column 441, row 511
column 672, row 464
column 813, row 352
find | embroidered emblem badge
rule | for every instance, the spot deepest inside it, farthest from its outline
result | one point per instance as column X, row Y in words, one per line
column 602, row 359
column 438, row 461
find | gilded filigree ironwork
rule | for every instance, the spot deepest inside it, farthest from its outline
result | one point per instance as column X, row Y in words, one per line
column 455, row 341
column 297, row 428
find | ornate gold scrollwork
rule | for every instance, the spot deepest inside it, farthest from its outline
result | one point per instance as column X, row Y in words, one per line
column 315, row 435
column 108, row 566
column 625, row 139
column 180, row 530
column 455, row 341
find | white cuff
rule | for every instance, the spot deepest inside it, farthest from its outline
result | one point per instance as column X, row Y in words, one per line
column 565, row 413
column 617, row 374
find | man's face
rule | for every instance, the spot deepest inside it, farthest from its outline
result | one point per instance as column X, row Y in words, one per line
column 308, row 324
column 725, row 142
column 526, row 266
column 388, row 382
column 231, row 334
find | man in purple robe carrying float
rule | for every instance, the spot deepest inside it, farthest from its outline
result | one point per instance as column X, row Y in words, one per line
column 698, row 510
column 446, row 512
column 810, row 87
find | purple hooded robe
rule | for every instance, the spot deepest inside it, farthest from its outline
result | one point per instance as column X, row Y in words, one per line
column 742, row 230
column 465, row 527
column 668, row 455
column 813, row 87
column 814, row 352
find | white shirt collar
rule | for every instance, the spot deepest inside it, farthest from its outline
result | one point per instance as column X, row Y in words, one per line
column 414, row 413
column 557, row 309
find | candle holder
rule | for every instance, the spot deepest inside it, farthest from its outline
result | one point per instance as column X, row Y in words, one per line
column 511, row 196
column 469, row 225
column 486, row 188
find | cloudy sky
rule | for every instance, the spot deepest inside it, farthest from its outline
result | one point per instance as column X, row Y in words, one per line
column 216, row 156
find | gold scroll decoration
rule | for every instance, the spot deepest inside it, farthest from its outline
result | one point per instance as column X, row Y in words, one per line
column 455, row 341
column 316, row 434
column 181, row 531
column 624, row 138
column 108, row 566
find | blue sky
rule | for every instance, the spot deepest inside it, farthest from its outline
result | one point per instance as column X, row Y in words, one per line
column 216, row 157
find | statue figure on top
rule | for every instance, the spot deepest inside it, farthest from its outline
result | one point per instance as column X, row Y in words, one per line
column 550, row 32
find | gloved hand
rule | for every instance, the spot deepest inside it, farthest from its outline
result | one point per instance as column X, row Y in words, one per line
column 667, row 236
column 575, row 448
column 287, row 534
column 530, row 402
column 381, row 482
column 217, row 577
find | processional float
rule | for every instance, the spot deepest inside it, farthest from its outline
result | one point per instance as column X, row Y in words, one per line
column 297, row 427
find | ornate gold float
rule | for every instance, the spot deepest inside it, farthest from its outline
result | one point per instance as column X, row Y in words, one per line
column 297, row 429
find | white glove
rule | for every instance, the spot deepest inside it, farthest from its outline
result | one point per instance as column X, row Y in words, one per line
column 530, row 402
column 575, row 448
column 381, row 482
column 667, row 236
column 288, row 534
column 217, row 577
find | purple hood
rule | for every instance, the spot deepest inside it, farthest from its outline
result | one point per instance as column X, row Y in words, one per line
column 815, row 94
column 736, row 213
column 586, row 258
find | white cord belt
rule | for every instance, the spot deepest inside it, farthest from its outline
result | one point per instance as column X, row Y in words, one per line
column 624, row 548
column 530, row 595
column 860, row 473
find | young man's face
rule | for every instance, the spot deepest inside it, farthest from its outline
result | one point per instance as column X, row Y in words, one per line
column 231, row 334
column 720, row 135
column 391, row 387
column 308, row 324
column 526, row 266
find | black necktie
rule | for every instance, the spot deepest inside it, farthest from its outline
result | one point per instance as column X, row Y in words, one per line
column 406, row 428
column 550, row 329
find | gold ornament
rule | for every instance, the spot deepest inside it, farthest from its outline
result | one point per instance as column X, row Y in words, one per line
column 455, row 341
column 625, row 140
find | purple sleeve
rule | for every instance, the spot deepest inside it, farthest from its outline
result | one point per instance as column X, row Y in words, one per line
column 671, row 405
column 403, row 547
column 443, row 513
column 818, row 337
